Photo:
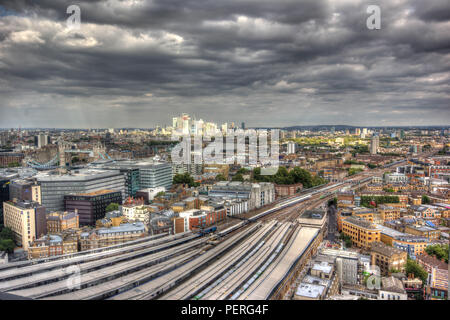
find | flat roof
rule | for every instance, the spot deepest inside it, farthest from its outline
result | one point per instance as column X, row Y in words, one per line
column 96, row 193
column 322, row 266
column 76, row 175
column 316, row 280
column 361, row 223
column 309, row 290
column 390, row 232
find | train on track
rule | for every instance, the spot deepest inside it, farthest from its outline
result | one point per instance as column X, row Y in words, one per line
column 204, row 231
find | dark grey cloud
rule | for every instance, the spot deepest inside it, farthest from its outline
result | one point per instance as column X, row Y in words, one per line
column 137, row 63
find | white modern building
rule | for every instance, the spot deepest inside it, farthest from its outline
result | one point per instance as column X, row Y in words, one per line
column 291, row 147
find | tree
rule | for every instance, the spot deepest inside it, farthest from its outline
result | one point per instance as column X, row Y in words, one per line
column 13, row 164
column 220, row 177
column 185, row 178
column 6, row 234
column 160, row 194
column 367, row 201
column 75, row 159
column 353, row 171
column 414, row 268
column 112, row 207
column 440, row 251
column 296, row 175
column 347, row 240
column 425, row 199
column 332, row 202
column 7, row 245
column 238, row 177
column 243, row 171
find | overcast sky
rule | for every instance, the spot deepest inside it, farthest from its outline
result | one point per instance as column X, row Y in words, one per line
column 266, row 62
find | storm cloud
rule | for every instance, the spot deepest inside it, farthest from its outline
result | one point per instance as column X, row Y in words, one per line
column 269, row 63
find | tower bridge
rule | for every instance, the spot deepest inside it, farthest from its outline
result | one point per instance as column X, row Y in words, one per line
column 63, row 157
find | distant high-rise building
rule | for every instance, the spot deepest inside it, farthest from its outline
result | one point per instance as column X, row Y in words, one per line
column 291, row 147
column 357, row 131
column 185, row 123
column 374, row 144
column 224, row 127
column 41, row 140
column 332, row 130
column 243, row 125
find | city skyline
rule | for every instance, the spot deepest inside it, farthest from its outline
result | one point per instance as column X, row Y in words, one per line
column 133, row 64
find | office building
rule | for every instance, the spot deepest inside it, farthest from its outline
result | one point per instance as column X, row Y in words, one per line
column 155, row 174
column 362, row 233
column 27, row 221
column 55, row 186
column 91, row 206
column 128, row 169
column 20, row 190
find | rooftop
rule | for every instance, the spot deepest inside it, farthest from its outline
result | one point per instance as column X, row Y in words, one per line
column 361, row 223
column 126, row 227
column 380, row 247
column 96, row 193
column 315, row 280
column 75, row 175
column 323, row 267
column 310, row 290
column 24, row 204
column 389, row 231
column 313, row 214
column 392, row 284
column 433, row 261
column 61, row 215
